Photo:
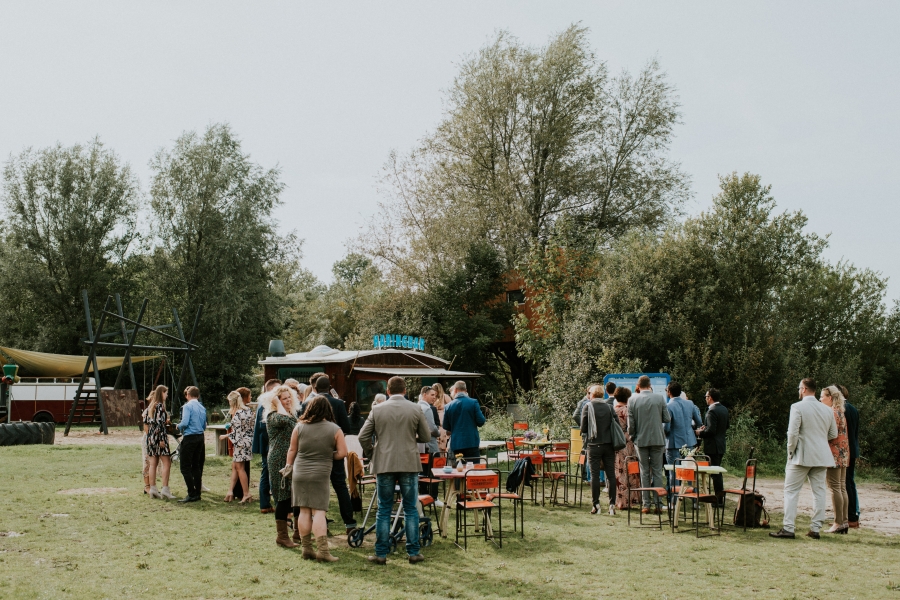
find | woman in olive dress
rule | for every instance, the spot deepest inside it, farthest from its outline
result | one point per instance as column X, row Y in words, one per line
column 280, row 423
column 315, row 444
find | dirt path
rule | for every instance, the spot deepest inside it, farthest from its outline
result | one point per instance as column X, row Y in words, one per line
column 879, row 504
column 128, row 436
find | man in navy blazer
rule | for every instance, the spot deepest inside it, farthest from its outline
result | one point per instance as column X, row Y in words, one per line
column 462, row 418
column 680, row 430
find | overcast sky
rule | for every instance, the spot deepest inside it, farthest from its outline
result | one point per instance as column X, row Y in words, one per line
column 804, row 94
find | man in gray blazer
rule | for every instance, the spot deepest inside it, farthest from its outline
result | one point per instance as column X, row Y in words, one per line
column 647, row 416
column 398, row 426
column 810, row 427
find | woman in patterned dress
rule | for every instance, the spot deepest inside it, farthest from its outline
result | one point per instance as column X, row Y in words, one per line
column 621, row 407
column 155, row 419
column 241, row 436
column 840, row 449
column 280, row 423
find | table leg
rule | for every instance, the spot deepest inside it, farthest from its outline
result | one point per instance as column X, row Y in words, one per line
column 449, row 499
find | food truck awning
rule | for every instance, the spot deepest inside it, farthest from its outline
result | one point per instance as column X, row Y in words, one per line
column 417, row 372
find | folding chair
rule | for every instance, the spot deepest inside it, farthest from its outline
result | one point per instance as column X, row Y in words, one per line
column 475, row 484
column 514, row 448
column 557, row 455
column 519, row 426
column 633, row 467
column 518, row 502
column 749, row 474
column 429, row 500
column 537, row 461
column 688, row 472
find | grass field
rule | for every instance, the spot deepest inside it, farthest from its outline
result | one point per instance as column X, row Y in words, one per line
column 123, row 545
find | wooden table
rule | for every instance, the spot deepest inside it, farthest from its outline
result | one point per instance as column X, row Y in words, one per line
column 454, row 478
column 704, row 471
column 221, row 445
column 537, row 443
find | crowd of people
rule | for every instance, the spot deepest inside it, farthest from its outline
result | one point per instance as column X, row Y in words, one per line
column 300, row 432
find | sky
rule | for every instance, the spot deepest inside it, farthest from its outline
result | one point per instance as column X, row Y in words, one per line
column 805, row 94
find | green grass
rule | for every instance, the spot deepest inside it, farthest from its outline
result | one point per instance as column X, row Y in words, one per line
column 127, row 546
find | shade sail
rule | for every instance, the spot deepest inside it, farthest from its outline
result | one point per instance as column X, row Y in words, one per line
column 42, row 364
column 416, row 372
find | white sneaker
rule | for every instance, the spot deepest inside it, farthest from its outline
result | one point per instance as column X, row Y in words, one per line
column 612, row 510
column 154, row 493
column 165, row 493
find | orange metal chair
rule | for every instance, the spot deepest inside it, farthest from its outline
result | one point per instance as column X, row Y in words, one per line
column 749, row 475
column 476, row 486
column 689, row 473
column 555, row 456
column 633, row 467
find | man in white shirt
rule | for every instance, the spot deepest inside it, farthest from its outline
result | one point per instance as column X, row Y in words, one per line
column 810, row 427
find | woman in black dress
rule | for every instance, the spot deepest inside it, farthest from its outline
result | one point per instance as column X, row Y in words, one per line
column 155, row 419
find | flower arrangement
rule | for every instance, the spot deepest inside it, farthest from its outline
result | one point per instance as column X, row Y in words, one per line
column 688, row 452
column 530, row 435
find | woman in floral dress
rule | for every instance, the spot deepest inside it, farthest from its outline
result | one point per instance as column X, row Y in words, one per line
column 840, row 449
column 241, row 436
column 155, row 419
column 280, row 423
column 621, row 407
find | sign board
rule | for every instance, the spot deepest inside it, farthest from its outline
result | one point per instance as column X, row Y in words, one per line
column 390, row 340
column 658, row 381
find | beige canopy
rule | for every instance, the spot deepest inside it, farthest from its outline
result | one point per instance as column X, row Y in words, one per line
column 42, row 364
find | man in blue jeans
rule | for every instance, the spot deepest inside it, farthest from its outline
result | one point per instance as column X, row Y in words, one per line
column 398, row 425
column 261, row 447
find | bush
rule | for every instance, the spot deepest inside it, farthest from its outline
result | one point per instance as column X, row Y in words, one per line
column 743, row 434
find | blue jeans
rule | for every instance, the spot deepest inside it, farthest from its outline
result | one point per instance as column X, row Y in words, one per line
column 409, row 492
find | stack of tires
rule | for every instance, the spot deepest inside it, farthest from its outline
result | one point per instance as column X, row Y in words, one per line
column 26, row 432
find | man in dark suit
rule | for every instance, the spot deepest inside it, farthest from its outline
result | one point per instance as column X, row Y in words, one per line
column 713, row 434
column 852, row 416
column 338, row 474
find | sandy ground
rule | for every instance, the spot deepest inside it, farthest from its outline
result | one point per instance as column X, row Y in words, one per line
column 880, row 505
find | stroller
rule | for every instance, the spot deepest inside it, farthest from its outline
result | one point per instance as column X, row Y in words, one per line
column 398, row 528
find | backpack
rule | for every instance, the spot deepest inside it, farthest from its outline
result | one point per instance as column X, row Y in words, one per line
column 757, row 515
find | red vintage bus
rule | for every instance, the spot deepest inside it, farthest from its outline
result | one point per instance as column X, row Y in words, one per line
column 44, row 399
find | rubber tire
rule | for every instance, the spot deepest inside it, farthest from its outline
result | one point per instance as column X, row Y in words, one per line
column 49, row 433
column 426, row 533
column 5, row 435
column 34, row 433
column 19, row 434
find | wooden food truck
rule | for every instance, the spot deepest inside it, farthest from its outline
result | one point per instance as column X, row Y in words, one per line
column 358, row 375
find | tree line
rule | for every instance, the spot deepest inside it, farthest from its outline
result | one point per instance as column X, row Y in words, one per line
column 545, row 168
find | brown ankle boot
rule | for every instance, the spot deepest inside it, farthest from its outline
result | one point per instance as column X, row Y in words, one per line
column 283, row 538
column 309, row 553
column 324, row 554
column 296, row 536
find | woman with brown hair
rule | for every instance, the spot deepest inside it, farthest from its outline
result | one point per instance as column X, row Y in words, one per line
column 241, row 436
column 155, row 420
column 840, row 448
column 316, row 443
column 622, row 394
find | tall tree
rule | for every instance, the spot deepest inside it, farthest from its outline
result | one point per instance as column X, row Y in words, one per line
column 71, row 225
column 217, row 245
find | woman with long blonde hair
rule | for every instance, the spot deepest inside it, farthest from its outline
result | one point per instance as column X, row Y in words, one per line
column 241, row 436
column 155, row 420
column 280, row 423
column 840, row 448
column 440, row 402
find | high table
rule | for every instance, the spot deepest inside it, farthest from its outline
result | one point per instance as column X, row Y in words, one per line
column 221, row 445
column 704, row 472
column 454, row 479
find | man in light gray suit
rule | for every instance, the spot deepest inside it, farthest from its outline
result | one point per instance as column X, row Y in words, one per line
column 647, row 415
column 398, row 426
column 810, row 427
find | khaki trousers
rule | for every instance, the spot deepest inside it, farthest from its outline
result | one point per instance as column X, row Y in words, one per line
column 794, row 477
column 837, row 483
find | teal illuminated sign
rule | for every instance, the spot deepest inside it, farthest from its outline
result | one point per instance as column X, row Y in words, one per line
column 390, row 340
